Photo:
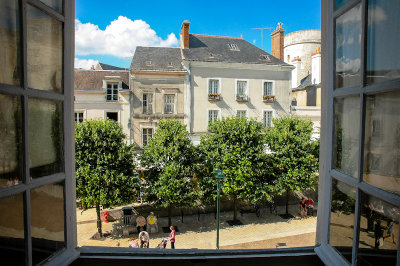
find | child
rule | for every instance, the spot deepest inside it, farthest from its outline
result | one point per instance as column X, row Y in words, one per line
column 133, row 243
column 172, row 237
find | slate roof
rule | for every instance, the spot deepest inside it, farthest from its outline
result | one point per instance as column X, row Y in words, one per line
column 109, row 67
column 208, row 48
column 93, row 79
column 306, row 83
column 162, row 59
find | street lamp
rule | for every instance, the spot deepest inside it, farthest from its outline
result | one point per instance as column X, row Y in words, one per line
column 218, row 175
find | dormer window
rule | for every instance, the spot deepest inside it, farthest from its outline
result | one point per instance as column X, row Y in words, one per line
column 148, row 63
column 112, row 91
column 211, row 55
column 170, row 64
column 265, row 57
column 233, row 46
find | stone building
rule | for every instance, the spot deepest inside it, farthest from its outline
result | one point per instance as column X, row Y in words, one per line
column 157, row 83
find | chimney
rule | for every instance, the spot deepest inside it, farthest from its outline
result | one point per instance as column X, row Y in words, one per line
column 185, row 34
column 277, row 38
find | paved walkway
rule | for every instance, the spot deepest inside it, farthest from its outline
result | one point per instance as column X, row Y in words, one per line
column 266, row 231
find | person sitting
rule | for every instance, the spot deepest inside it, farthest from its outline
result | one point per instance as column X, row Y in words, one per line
column 144, row 239
column 310, row 206
column 141, row 223
column 303, row 210
column 133, row 243
column 152, row 222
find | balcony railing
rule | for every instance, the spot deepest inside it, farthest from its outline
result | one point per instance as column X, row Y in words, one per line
column 241, row 97
column 214, row 96
column 269, row 98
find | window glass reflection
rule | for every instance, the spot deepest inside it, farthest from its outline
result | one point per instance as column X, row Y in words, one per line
column 12, row 243
column 379, row 229
column 383, row 57
column 47, row 220
column 382, row 142
column 345, row 135
column 55, row 4
column 348, row 48
column 11, row 141
column 342, row 218
column 9, row 42
column 340, row 3
column 45, row 137
column 44, row 51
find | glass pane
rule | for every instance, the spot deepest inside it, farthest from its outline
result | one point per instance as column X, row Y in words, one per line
column 382, row 142
column 45, row 137
column 383, row 57
column 47, row 220
column 44, row 51
column 379, row 229
column 340, row 3
column 348, row 48
column 55, row 4
column 345, row 135
column 9, row 43
column 342, row 217
column 11, row 141
column 12, row 230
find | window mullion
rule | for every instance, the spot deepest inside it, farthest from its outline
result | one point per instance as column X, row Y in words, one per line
column 27, row 227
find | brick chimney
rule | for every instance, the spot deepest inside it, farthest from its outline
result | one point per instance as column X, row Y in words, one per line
column 185, row 34
column 277, row 39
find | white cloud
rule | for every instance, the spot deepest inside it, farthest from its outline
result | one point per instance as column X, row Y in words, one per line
column 254, row 41
column 85, row 63
column 376, row 15
column 120, row 38
column 348, row 65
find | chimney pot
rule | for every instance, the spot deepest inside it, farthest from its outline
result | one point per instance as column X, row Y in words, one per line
column 277, row 40
column 185, row 34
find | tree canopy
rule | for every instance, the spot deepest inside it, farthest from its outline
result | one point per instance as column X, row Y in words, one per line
column 236, row 146
column 294, row 156
column 105, row 172
column 169, row 158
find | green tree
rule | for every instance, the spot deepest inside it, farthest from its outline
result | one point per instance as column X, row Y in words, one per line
column 105, row 172
column 294, row 155
column 169, row 158
column 236, row 146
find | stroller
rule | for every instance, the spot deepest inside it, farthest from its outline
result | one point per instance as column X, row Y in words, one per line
column 163, row 243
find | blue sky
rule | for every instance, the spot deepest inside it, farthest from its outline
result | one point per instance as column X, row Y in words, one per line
column 109, row 31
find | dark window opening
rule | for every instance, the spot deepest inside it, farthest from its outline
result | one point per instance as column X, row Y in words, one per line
column 113, row 116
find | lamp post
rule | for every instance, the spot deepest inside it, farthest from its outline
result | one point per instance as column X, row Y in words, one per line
column 218, row 175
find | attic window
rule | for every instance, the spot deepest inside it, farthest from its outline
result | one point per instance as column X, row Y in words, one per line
column 170, row 64
column 233, row 46
column 148, row 63
column 211, row 55
column 265, row 57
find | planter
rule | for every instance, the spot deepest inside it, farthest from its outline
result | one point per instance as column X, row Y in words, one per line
column 268, row 98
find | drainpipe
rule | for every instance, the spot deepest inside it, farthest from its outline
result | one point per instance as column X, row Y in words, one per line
column 188, row 100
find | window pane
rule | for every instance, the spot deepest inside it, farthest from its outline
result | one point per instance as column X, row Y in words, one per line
column 383, row 57
column 342, row 217
column 348, row 48
column 12, row 230
column 45, row 137
column 382, row 142
column 44, row 51
column 9, row 42
column 55, row 4
column 379, row 229
column 345, row 135
column 47, row 220
column 11, row 141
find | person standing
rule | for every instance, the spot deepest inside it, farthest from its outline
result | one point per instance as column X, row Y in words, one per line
column 172, row 237
column 141, row 223
column 378, row 234
column 310, row 206
column 390, row 230
column 303, row 209
column 152, row 222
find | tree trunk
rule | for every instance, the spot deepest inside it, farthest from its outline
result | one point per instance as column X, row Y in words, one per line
column 98, row 220
column 169, row 216
column 235, row 205
column 182, row 214
column 287, row 201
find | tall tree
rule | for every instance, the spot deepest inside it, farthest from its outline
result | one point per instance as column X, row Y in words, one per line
column 169, row 158
column 236, row 146
column 105, row 172
column 294, row 155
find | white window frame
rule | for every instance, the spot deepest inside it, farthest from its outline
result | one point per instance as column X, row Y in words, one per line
column 152, row 103
column 112, row 91
column 262, row 87
column 273, row 116
column 242, row 110
column 112, row 111
column 165, row 95
column 233, row 46
column 142, row 135
column 219, row 85
column 213, row 109
column 76, row 118
column 247, row 87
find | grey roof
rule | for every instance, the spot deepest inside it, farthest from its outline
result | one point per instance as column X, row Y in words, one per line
column 93, row 79
column 162, row 59
column 306, row 83
column 216, row 49
column 109, row 67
